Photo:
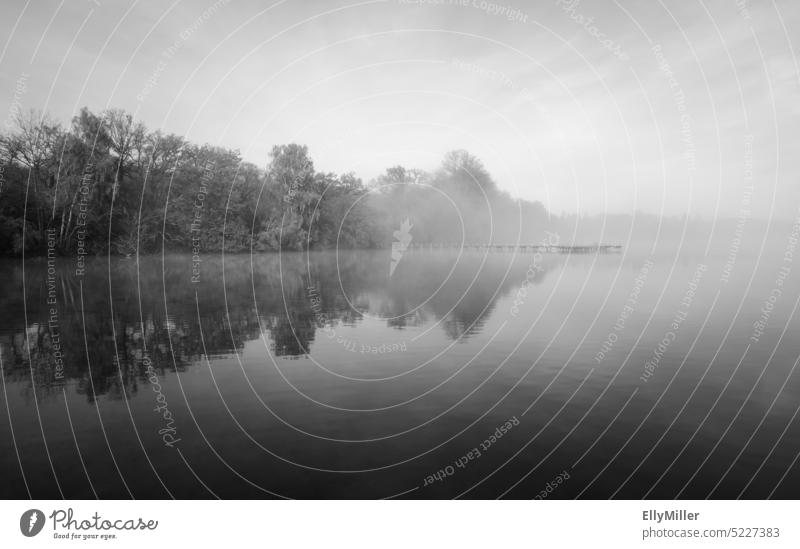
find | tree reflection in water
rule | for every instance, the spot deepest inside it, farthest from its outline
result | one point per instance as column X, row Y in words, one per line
column 115, row 315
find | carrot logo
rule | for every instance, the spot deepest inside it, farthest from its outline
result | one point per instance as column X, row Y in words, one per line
column 402, row 239
column 31, row 522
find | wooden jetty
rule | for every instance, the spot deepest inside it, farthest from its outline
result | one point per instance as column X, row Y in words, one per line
column 518, row 248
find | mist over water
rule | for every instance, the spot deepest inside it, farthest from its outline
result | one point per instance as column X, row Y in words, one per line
column 319, row 375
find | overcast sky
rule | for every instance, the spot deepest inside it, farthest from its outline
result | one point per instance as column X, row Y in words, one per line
column 653, row 106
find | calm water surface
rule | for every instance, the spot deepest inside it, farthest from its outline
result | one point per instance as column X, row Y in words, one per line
column 319, row 375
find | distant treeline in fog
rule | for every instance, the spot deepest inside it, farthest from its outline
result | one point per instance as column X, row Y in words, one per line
column 106, row 184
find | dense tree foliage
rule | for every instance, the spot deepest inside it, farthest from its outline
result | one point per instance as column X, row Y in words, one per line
column 106, row 184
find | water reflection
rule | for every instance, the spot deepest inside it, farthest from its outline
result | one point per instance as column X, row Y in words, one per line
column 322, row 366
column 118, row 313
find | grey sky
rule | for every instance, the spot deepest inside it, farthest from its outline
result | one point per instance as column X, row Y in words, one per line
column 649, row 106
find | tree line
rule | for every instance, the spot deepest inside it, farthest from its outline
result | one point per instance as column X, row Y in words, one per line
column 108, row 185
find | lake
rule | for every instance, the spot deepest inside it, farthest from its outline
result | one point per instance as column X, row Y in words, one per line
column 476, row 375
